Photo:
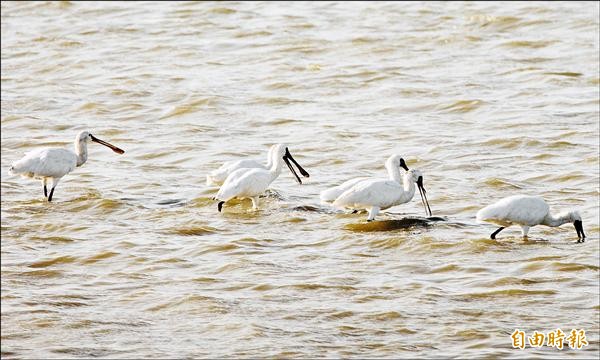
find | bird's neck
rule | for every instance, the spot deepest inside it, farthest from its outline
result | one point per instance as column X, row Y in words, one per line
column 558, row 219
column 394, row 173
column 276, row 165
column 81, row 151
column 409, row 185
column 269, row 159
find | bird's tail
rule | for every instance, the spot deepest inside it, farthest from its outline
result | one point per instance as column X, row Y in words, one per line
column 216, row 178
column 210, row 181
column 327, row 196
column 483, row 215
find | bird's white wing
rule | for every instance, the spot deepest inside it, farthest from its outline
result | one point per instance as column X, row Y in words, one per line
column 244, row 182
column 367, row 193
column 518, row 209
column 330, row 195
column 54, row 162
column 219, row 175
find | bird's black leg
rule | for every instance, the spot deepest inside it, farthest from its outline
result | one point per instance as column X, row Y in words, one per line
column 45, row 191
column 51, row 193
column 220, row 205
column 496, row 233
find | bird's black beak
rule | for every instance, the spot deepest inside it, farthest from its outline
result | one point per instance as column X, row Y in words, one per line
column 403, row 164
column 423, row 196
column 579, row 228
column 287, row 157
column 111, row 146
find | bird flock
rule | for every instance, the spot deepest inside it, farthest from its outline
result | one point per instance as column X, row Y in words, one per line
column 249, row 179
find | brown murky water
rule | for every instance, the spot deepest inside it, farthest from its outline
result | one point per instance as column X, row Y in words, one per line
column 133, row 260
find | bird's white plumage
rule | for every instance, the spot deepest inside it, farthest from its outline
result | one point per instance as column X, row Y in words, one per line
column 54, row 163
column 392, row 166
column 253, row 182
column 374, row 194
column 518, row 209
column 218, row 176
column 526, row 211
column 329, row 195
column 367, row 193
column 45, row 163
column 245, row 183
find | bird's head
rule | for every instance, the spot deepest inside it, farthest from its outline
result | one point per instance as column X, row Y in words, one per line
column 281, row 151
column 416, row 176
column 578, row 223
column 396, row 161
column 85, row 136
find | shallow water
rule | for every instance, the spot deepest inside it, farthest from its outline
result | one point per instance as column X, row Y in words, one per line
column 131, row 259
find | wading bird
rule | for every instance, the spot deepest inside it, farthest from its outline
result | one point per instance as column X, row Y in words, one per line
column 527, row 211
column 54, row 163
column 328, row 196
column 252, row 182
column 218, row 176
column 375, row 195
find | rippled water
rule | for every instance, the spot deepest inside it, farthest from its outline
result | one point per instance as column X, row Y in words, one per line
column 132, row 259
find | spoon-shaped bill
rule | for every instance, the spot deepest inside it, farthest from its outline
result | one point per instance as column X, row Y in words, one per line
column 300, row 168
column 423, row 196
column 287, row 162
column 111, row 146
column 579, row 228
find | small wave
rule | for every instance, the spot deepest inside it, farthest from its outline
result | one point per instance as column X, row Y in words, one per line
column 57, row 239
column 71, row 43
column 566, row 73
column 101, row 256
column 560, row 145
column 503, row 23
column 311, row 208
column 312, row 286
column 340, row 315
column 194, row 231
column 219, row 248
column 170, row 202
column 501, row 183
column 462, row 106
column 188, row 107
column 384, row 316
column 574, row 267
column 108, row 204
column 278, row 101
column 279, row 85
column 388, row 243
column 509, row 293
column 527, row 44
column 365, row 40
column 50, row 262
column 285, row 121
column 388, row 225
column 253, row 34
column 512, row 281
column 513, row 143
column 446, row 268
column 222, row 10
column 43, row 273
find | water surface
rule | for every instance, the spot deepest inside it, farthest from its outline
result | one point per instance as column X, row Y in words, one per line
column 132, row 259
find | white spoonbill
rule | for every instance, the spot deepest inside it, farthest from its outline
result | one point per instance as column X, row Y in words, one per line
column 218, row 176
column 374, row 195
column 252, row 182
column 329, row 195
column 527, row 211
column 54, row 163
